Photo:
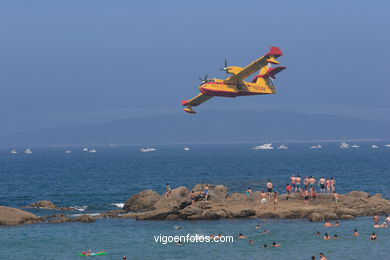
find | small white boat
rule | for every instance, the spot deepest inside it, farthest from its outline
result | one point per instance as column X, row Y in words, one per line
column 263, row 147
column 387, row 145
column 85, row 149
column 374, row 146
column 355, row 146
column 283, row 147
column 92, row 150
column 145, row 150
column 186, row 148
column 28, row 151
column 316, row 146
column 14, row 151
column 67, row 151
column 344, row 145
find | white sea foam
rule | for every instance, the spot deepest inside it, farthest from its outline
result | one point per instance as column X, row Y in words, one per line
column 119, row 205
column 79, row 208
column 89, row 214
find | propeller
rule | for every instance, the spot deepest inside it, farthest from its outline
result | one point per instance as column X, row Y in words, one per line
column 204, row 79
column 225, row 68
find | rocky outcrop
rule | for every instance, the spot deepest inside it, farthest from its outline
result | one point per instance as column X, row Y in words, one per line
column 12, row 216
column 47, row 204
column 143, row 201
column 238, row 205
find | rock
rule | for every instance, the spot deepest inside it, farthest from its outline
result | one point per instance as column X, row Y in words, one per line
column 43, row 204
column 143, row 201
column 346, row 217
column 85, row 218
column 57, row 218
column 12, row 216
column 178, row 199
column 316, row 217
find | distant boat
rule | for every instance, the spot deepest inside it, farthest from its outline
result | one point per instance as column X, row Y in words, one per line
column 263, row 147
column 85, row 149
column 145, row 150
column 28, row 151
column 316, row 146
column 355, row 146
column 186, row 148
column 283, row 147
column 387, row 145
column 92, row 150
column 374, row 146
column 14, row 151
column 67, row 151
column 344, row 145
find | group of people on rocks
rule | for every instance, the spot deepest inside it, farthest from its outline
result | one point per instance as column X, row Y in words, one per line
column 309, row 183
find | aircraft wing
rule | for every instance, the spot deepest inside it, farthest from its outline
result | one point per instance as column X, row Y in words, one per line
column 256, row 65
column 195, row 101
column 199, row 99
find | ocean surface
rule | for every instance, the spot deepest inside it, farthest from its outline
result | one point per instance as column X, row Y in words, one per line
column 101, row 181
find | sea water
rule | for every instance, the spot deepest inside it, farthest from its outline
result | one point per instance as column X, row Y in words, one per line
column 96, row 182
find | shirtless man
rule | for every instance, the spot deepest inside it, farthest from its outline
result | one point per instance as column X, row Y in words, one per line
column 306, row 197
column 263, row 198
column 322, row 256
column 312, row 182
column 293, row 183
column 241, row 236
column 355, row 233
column 269, row 188
column 387, row 218
column 306, row 182
column 298, row 183
column 328, row 224
column 321, row 182
column 373, row 236
column 276, row 245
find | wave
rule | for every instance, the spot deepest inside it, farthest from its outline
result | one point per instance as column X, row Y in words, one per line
column 119, row 205
column 90, row 214
column 79, row 208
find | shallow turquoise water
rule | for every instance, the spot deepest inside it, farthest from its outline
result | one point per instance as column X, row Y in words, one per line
column 113, row 174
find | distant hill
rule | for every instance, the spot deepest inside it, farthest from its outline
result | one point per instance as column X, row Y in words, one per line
column 207, row 126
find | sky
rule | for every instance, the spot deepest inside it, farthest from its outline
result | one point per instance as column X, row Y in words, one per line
column 67, row 63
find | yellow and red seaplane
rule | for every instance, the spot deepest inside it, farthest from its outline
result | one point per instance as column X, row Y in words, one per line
column 235, row 85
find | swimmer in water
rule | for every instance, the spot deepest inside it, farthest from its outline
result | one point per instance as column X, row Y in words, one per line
column 276, row 245
column 373, row 236
column 313, row 257
column 322, row 256
column 257, row 226
column 317, row 233
column 265, row 245
column 337, row 224
column 250, row 241
column 376, row 219
column 335, row 236
column 387, row 218
column 326, row 237
column 241, row 236
column 265, row 231
column 328, row 224
column 355, row 233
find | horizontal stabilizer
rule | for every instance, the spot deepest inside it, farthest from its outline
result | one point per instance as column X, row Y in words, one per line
column 272, row 71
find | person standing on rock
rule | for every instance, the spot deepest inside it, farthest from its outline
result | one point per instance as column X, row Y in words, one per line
column 263, row 198
column 167, row 190
column 293, row 182
column 288, row 190
column 276, row 194
column 312, row 182
column 328, row 185
column 332, row 185
column 269, row 188
column 298, row 183
column 306, row 197
column 322, row 182
column 306, row 182
column 206, row 192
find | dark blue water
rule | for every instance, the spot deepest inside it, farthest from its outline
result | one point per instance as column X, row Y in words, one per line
column 113, row 174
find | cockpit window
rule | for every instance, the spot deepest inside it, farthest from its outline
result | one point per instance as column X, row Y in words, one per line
column 270, row 82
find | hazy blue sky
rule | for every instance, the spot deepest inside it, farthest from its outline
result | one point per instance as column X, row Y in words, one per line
column 80, row 62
